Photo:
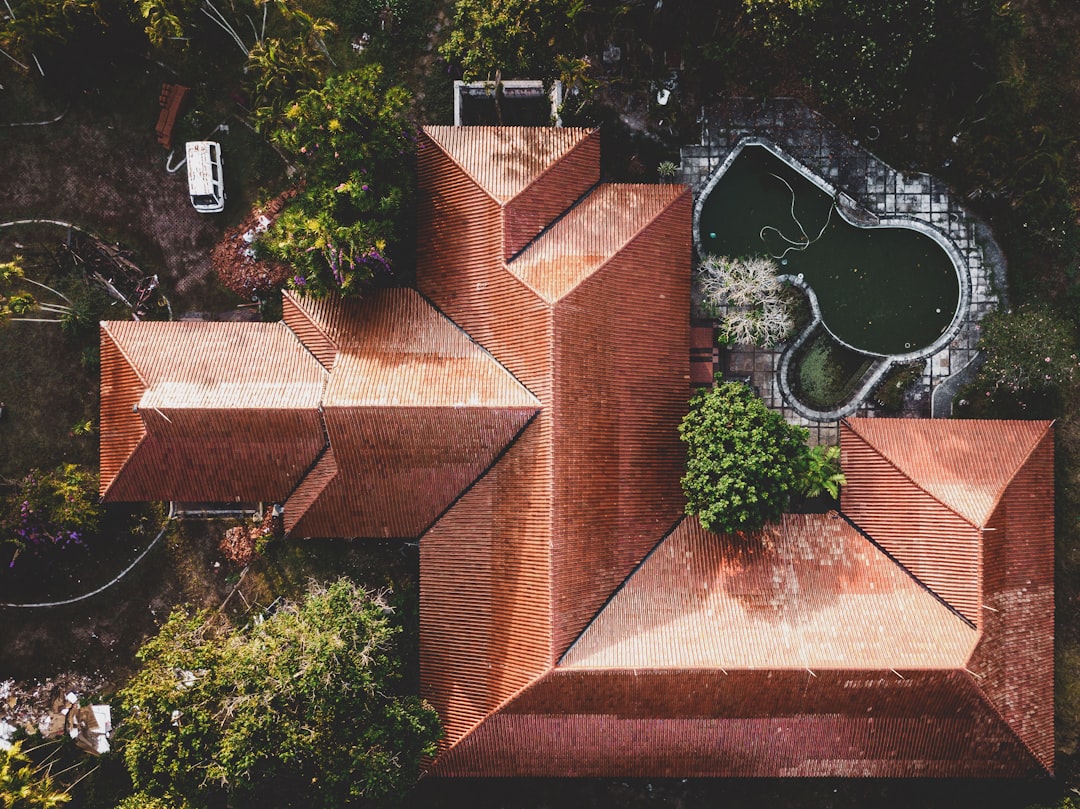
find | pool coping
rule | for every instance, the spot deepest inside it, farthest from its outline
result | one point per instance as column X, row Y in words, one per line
column 917, row 201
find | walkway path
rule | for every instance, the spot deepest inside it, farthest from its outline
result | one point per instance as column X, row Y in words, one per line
column 882, row 191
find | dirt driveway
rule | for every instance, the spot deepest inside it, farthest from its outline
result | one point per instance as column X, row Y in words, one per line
column 105, row 172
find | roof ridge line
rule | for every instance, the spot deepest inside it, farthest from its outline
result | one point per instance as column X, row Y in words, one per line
column 123, row 352
column 589, row 133
column 905, row 569
column 483, row 473
column 547, row 672
column 909, row 478
column 1027, row 457
column 311, row 468
column 667, row 534
column 558, row 218
column 318, row 328
column 458, row 163
column 476, row 343
column 608, row 259
column 127, row 461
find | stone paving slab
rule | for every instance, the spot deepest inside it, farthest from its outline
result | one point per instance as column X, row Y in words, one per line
column 881, row 190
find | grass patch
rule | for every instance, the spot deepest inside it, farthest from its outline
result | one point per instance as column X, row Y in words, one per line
column 823, row 374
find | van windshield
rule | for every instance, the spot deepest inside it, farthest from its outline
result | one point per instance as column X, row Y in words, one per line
column 203, row 199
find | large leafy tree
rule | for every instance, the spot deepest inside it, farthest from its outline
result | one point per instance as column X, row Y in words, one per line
column 494, row 39
column 299, row 707
column 743, row 460
column 355, row 145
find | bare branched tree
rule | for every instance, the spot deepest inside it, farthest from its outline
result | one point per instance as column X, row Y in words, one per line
column 748, row 299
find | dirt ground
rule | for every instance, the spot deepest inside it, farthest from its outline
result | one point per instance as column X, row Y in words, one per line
column 101, row 168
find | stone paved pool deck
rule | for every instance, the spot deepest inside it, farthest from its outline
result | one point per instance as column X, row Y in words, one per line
column 882, row 191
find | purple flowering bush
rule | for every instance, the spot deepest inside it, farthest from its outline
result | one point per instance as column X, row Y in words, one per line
column 55, row 509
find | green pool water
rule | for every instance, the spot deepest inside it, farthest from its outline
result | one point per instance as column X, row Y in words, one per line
column 883, row 290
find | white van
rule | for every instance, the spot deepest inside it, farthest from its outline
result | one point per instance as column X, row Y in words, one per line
column 205, row 182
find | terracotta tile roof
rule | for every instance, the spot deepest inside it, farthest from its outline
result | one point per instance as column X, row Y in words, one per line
column 485, row 589
column 415, row 411
column 965, row 464
column 224, row 412
column 592, row 232
column 219, row 455
column 221, row 365
column 401, row 352
column 766, row 723
column 399, row 468
column 544, row 457
column 1014, row 661
column 809, row 592
column 314, row 323
column 506, row 160
column 121, row 426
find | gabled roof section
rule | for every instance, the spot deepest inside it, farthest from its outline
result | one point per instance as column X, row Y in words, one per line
column 415, row 411
column 591, row 233
column 964, row 464
column 809, row 592
column 219, row 365
column 207, row 411
column 399, row 351
column 504, row 161
column 121, row 427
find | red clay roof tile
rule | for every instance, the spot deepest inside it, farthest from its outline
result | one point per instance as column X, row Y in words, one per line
column 809, row 592
column 965, row 464
column 506, row 160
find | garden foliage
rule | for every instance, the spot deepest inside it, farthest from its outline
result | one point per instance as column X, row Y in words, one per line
column 503, row 39
column 50, row 509
column 1031, row 353
column 743, row 460
column 302, row 703
column 355, row 146
column 26, row 785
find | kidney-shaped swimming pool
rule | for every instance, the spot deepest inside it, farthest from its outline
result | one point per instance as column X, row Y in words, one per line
column 883, row 290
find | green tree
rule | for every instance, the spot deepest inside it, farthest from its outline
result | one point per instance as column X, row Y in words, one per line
column 496, row 39
column 35, row 27
column 354, row 143
column 50, row 509
column 1029, row 350
column 743, row 460
column 300, row 704
column 26, row 786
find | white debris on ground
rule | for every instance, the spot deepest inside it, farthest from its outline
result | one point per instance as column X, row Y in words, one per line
column 50, row 709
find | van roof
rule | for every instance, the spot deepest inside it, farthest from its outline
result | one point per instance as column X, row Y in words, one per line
column 200, row 181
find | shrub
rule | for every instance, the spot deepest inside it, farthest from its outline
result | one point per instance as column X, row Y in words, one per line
column 342, row 227
column 298, row 709
column 743, row 460
column 51, row 509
